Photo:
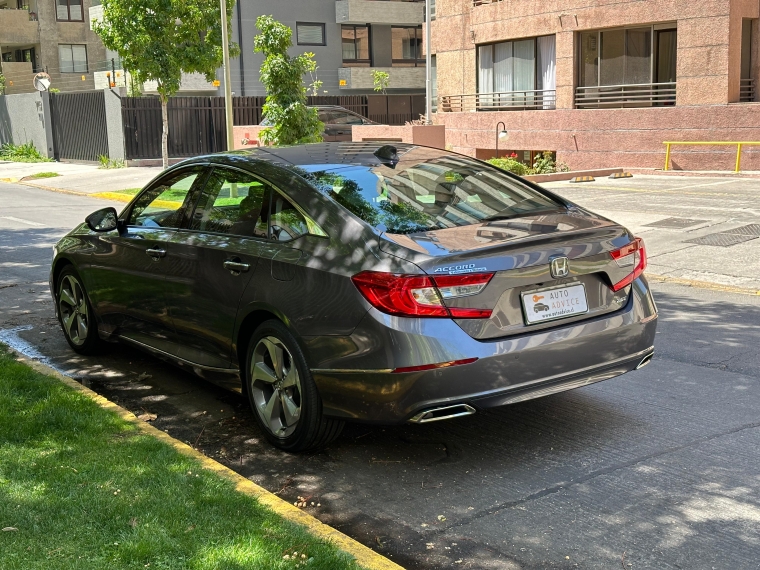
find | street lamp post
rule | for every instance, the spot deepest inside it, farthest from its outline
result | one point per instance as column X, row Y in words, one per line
column 500, row 135
column 227, row 80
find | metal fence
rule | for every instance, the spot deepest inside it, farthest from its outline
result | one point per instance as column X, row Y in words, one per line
column 507, row 101
column 197, row 124
column 79, row 125
column 618, row 96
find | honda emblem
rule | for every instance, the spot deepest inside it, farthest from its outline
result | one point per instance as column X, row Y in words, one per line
column 559, row 267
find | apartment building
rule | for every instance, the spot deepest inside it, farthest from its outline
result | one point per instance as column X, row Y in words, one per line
column 602, row 83
column 349, row 38
column 52, row 36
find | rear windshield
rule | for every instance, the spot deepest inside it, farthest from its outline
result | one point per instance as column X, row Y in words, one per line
column 441, row 191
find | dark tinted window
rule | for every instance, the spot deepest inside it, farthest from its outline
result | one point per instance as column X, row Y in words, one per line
column 162, row 206
column 437, row 191
column 287, row 222
column 341, row 118
column 233, row 202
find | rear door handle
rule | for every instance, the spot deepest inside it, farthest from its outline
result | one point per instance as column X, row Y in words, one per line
column 236, row 266
column 156, row 252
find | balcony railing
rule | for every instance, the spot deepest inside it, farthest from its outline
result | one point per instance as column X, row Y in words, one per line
column 747, row 91
column 507, row 101
column 618, row 96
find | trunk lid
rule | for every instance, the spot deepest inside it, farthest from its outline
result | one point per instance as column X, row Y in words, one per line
column 519, row 251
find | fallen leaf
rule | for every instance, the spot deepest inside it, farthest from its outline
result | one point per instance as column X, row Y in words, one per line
column 9, row 528
column 429, row 545
column 441, row 518
column 146, row 417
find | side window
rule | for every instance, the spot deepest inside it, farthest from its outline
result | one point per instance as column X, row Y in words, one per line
column 162, row 206
column 287, row 223
column 347, row 119
column 233, row 202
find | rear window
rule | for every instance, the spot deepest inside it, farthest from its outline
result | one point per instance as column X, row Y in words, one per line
column 443, row 191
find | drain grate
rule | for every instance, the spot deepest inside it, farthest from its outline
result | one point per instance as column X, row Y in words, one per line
column 748, row 230
column 675, row 223
column 721, row 239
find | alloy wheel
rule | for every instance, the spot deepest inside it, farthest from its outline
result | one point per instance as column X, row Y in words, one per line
column 72, row 305
column 275, row 386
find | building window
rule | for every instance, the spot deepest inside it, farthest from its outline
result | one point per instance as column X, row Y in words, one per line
column 73, row 58
column 627, row 67
column 747, row 80
column 519, row 74
column 406, row 46
column 355, row 46
column 310, row 34
column 69, row 11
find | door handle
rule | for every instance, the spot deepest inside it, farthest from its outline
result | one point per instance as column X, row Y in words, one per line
column 236, row 266
column 156, row 252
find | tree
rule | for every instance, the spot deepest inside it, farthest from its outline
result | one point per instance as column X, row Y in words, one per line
column 290, row 120
column 2, row 83
column 380, row 80
column 161, row 39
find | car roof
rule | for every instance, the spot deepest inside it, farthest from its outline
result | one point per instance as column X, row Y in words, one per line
column 344, row 153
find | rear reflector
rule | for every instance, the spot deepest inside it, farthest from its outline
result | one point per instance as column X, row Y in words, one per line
column 633, row 257
column 434, row 366
column 421, row 295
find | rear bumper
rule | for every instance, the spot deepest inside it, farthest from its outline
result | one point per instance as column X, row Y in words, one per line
column 363, row 388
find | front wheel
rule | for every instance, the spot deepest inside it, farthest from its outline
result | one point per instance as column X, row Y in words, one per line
column 75, row 313
column 283, row 396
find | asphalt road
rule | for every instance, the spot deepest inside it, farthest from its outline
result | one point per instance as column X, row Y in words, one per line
column 659, row 468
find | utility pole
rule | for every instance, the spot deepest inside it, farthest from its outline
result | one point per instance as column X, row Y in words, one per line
column 227, row 80
column 428, row 67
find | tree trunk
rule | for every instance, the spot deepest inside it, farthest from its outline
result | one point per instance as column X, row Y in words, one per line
column 164, row 132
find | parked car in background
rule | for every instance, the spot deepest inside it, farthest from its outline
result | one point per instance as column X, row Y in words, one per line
column 338, row 122
column 340, row 282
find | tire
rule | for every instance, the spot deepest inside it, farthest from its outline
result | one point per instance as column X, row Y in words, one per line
column 75, row 314
column 283, row 397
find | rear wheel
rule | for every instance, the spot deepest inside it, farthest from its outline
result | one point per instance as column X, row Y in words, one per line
column 75, row 313
column 283, row 396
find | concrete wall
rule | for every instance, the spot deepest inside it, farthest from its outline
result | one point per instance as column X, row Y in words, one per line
column 24, row 118
column 114, row 126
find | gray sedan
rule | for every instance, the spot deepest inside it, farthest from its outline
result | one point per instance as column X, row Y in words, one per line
column 359, row 282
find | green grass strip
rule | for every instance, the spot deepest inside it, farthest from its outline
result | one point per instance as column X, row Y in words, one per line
column 45, row 175
column 86, row 489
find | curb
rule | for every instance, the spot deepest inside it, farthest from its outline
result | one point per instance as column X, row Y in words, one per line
column 702, row 284
column 366, row 557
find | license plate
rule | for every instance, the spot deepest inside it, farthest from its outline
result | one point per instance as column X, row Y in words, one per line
column 557, row 303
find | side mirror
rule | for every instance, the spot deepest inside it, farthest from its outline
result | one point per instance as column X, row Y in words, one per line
column 103, row 220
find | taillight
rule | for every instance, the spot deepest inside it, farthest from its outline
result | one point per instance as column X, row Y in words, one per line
column 421, row 295
column 632, row 257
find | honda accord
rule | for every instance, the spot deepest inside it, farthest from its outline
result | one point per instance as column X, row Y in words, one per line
column 369, row 282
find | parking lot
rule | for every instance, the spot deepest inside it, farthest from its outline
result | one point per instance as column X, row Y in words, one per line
column 655, row 469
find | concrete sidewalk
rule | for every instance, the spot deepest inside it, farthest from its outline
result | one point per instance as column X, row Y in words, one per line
column 78, row 178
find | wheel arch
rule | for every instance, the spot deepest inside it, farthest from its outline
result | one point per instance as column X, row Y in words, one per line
column 255, row 315
column 58, row 266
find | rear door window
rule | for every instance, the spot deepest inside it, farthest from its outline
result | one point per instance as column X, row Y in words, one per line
column 233, row 202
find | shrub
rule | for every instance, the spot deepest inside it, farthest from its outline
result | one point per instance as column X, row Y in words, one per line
column 26, row 152
column 510, row 165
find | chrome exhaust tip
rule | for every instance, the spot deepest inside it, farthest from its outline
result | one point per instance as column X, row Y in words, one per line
column 442, row 413
column 644, row 361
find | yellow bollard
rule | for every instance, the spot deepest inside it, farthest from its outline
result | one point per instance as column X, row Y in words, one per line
column 667, row 156
column 738, row 157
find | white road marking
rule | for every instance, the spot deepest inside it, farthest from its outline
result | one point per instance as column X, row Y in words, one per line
column 21, row 221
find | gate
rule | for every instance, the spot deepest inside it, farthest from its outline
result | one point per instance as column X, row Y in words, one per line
column 79, row 125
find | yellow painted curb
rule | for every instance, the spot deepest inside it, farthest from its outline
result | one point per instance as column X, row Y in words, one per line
column 9, row 180
column 366, row 557
column 114, row 196
column 703, row 284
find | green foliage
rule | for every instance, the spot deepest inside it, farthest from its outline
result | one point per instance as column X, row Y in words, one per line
column 380, row 80
column 83, row 488
column 163, row 38
column 107, row 163
column 26, row 152
column 134, row 87
column 545, row 164
column 2, row 84
column 292, row 122
column 510, row 165
column 45, row 175
column 54, row 90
